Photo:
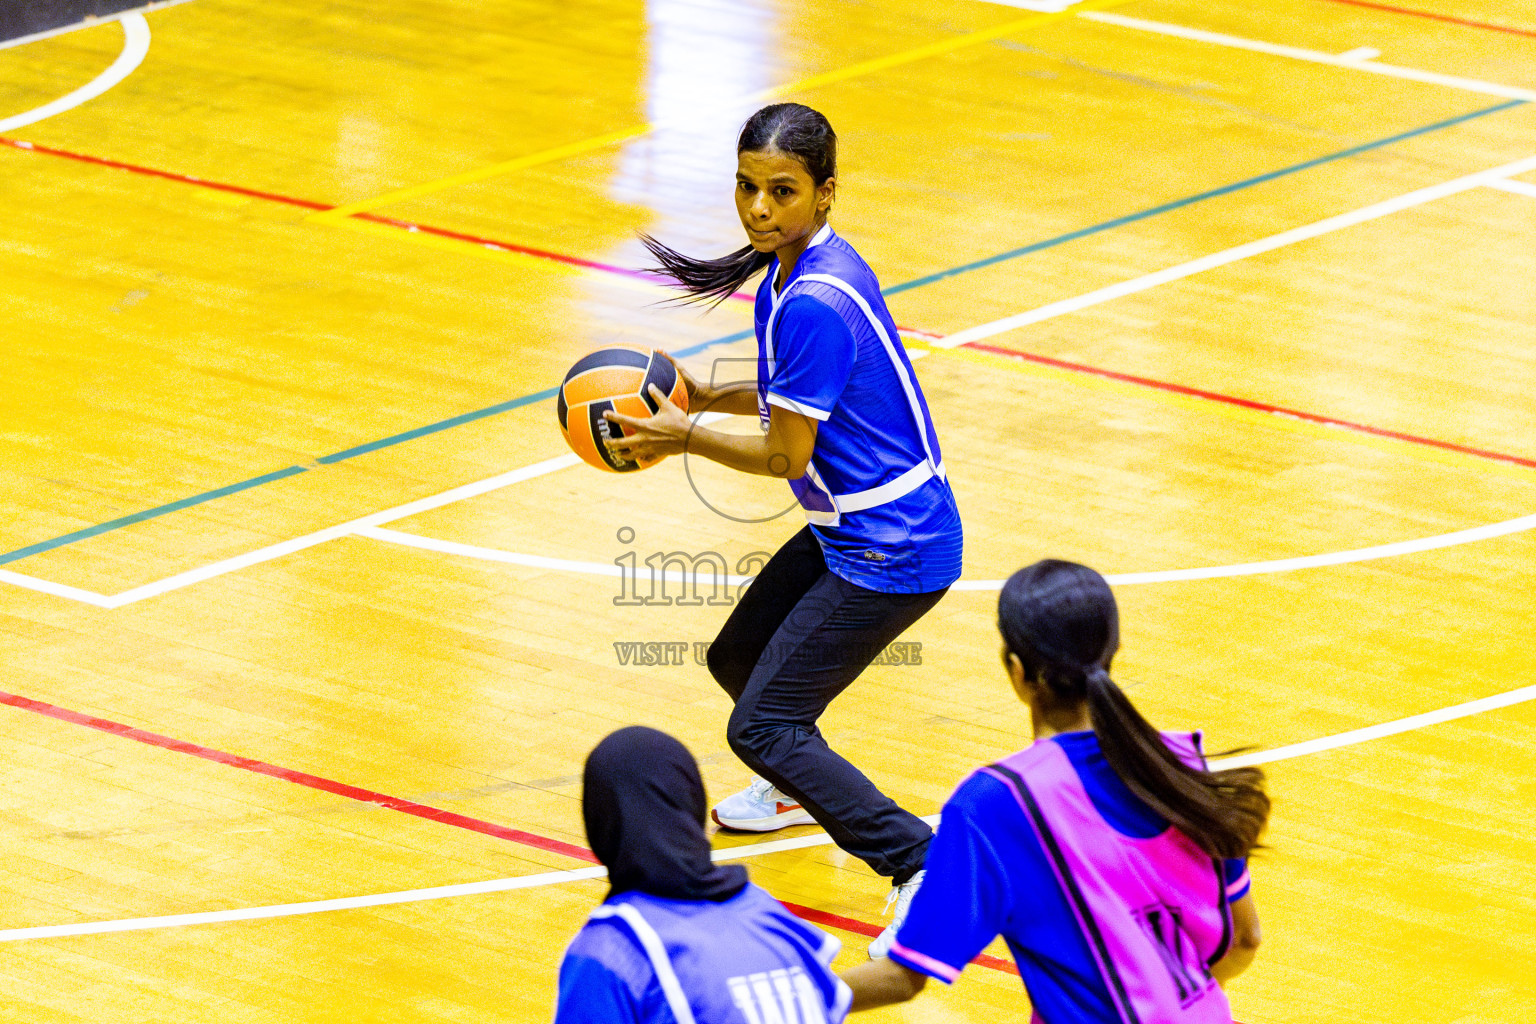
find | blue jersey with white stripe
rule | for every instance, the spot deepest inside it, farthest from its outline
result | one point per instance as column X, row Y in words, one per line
column 647, row 960
column 988, row 875
column 824, row 358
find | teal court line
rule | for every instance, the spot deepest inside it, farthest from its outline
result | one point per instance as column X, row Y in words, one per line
column 548, row 393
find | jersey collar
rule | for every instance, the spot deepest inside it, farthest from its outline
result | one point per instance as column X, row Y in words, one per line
column 825, row 234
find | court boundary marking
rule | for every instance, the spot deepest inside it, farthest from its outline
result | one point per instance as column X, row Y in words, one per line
column 368, row 528
column 1519, row 188
column 106, row 19
column 288, row 547
column 386, row 802
column 98, row 529
column 1177, row 204
column 1347, row 60
column 1352, row 737
column 135, row 48
column 1273, row 415
column 1376, row 552
column 485, row 247
column 378, row 519
column 1452, row 19
column 366, row 796
column 545, row 258
column 1327, row 225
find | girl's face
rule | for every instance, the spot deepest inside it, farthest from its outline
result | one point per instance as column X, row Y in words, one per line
column 777, row 201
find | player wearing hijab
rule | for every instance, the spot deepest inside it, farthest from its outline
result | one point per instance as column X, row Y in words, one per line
column 1110, row 858
column 845, row 423
column 679, row 939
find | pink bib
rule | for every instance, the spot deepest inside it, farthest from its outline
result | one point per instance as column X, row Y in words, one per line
column 1153, row 911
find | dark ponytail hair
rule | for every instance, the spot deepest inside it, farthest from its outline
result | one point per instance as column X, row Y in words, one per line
column 1060, row 619
column 790, row 128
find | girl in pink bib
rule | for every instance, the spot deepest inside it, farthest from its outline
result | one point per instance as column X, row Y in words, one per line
column 1107, row 854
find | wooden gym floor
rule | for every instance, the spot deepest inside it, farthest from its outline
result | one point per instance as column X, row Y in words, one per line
column 301, row 599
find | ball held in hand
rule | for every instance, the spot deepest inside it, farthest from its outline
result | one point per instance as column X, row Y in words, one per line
column 616, row 377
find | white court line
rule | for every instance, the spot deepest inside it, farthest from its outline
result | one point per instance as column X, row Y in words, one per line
column 135, row 48
column 1403, row 547
column 1373, row 732
column 77, row 26
column 1491, row 177
column 288, row 547
column 347, row 529
column 1519, row 188
column 448, row 547
column 1419, row 197
column 1345, row 60
column 1392, row 550
column 16, row 579
column 440, row 892
column 1343, row 739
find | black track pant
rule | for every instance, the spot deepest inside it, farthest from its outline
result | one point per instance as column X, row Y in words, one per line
column 799, row 635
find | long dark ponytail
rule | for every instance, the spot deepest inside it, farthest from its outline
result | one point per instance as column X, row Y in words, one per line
column 789, row 128
column 1060, row 619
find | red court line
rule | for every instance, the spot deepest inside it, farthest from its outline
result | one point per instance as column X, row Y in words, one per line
column 394, row 803
column 185, row 179
column 309, row 204
column 1438, row 17
column 609, row 268
column 848, row 924
column 1245, row 403
column 488, row 243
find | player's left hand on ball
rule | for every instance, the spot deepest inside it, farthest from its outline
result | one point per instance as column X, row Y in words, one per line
column 698, row 395
column 653, row 437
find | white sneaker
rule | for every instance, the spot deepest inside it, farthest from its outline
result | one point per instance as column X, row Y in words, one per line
column 760, row 808
column 901, row 895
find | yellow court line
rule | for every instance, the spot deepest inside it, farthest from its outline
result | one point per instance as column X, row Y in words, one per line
column 613, row 138
column 1274, row 420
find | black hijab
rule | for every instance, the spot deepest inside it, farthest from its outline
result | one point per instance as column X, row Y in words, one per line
column 643, row 804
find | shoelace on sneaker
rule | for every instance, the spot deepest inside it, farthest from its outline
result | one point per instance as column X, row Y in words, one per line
column 901, row 896
column 761, row 790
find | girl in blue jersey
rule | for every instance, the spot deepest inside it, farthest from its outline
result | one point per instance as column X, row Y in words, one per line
column 681, row 940
column 846, row 425
column 1109, row 857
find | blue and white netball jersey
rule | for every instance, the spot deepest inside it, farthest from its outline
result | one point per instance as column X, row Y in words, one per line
column 875, row 492
column 644, row 959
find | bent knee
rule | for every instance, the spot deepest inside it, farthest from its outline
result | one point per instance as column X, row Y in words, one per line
column 742, row 735
column 750, row 739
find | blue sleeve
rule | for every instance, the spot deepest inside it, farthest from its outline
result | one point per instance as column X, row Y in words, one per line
column 592, row 994
column 1234, row 875
column 965, row 897
column 813, row 353
column 603, row 980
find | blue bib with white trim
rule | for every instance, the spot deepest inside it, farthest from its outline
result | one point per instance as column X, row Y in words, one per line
column 875, row 491
column 743, row 960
